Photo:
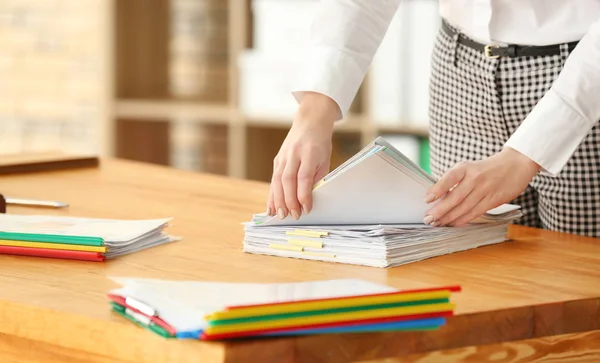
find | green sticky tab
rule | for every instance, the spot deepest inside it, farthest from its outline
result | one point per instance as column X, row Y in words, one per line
column 52, row 238
column 119, row 309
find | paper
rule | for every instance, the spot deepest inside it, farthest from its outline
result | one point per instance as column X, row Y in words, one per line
column 369, row 211
column 379, row 185
column 377, row 245
column 94, row 239
column 110, row 230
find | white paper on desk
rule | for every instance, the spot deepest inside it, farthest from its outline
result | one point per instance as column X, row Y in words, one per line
column 184, row 304
column 112, row 231
column 379, row 246
column 378, row 185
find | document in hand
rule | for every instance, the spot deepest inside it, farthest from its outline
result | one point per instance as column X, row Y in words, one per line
column 222, row 310
column 369, row 211
column 78, row 238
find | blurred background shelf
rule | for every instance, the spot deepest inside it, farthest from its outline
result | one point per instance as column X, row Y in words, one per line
column 161, row 110
column 201, row 85
column 417, row 131
column 350, row 124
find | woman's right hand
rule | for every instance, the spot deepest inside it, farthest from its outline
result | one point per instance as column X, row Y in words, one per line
column 304, row 157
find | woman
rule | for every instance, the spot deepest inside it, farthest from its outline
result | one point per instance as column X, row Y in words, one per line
column 514, row 104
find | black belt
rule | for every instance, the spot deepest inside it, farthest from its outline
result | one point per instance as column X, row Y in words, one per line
column 511, row 51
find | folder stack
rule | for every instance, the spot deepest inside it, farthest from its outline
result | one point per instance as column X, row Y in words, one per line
column 220, row 311
column 369, row 211
column 78, row 238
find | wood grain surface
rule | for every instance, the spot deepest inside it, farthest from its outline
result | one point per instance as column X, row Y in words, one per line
column 539, row 284
column 564, row 348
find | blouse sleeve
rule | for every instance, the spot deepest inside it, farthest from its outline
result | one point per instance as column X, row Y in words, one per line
column 343, row 39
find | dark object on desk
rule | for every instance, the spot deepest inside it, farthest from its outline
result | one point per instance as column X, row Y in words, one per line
column 2, row 204
column 47, row 161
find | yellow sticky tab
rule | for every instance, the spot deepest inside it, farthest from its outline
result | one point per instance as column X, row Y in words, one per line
column 319, row 183
column 286, row 247
column 306, row 243
column 303, row 233
column 319, row 254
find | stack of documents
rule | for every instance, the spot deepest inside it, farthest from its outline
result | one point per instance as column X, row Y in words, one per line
column 219, row 310
column 78, row 238
column 370, row 211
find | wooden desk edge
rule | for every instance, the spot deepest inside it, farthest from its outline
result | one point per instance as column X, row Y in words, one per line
column 474, row 329
column 574, row 347
column 106, row 338
column 42, row 166
column 119, row 340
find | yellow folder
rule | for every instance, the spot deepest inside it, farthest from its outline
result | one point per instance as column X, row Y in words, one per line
column 329, row 318
column 326, row 304
column 53, row 246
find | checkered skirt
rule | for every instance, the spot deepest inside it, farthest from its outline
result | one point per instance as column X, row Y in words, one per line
column 476, row 103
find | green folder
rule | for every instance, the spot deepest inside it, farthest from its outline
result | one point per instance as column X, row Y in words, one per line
column 52, row 238
column 251, row 319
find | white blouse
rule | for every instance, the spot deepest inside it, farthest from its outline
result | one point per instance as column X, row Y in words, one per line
column 345, row 35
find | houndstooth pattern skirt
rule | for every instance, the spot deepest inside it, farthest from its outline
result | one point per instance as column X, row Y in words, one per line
column 476, row 103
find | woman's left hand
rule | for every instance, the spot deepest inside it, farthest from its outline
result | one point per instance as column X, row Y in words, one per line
column 470, row 189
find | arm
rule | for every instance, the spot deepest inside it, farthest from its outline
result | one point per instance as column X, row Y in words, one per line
column 567, row 112
column 344, row 37
column 564, row 116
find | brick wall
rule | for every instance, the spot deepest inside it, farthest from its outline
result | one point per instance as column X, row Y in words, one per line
column 51, row 64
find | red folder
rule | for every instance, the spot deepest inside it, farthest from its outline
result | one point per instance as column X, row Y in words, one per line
column 60, row 254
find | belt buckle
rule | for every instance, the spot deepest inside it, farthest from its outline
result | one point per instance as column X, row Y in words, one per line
column 488, row 51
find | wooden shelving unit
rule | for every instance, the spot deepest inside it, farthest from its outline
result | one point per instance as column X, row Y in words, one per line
column 143, row 105
column 160, row 110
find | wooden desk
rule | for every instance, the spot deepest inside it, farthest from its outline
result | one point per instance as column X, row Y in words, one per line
column 540, row 285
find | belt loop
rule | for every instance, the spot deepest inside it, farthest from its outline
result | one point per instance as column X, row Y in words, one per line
column 454, row 49
column 564, row 52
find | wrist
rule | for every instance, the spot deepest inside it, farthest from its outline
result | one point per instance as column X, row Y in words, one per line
column 317, row 108
column 521, row 161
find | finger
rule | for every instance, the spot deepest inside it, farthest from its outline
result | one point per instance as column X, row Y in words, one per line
column 290, row 186
column 446, row 182
column 271, row 210
column 322, row 171
column 471, row 202
column 306, row 178
column 480, row 209
column 449, row 202
column 279, row 206
column 271, row 203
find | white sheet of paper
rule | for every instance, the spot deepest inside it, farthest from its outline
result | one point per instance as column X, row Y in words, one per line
column 378, row 185
column 111, row 230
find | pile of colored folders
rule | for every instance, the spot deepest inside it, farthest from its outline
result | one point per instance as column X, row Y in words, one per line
column 77, row 238
column 221, row 311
